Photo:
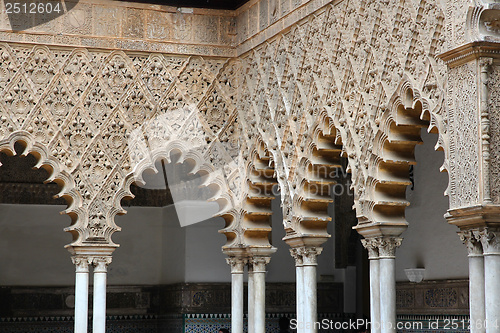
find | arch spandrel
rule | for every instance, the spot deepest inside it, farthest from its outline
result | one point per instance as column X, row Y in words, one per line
column 82, row 106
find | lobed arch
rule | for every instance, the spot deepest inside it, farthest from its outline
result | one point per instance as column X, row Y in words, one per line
column 57, row 174
column 384, row 200
column 179, row 153
column 317, row 172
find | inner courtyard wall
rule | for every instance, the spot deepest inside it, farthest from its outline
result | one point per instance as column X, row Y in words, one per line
column 430, row 242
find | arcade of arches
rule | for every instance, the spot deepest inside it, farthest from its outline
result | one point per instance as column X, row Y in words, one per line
column 258, row 116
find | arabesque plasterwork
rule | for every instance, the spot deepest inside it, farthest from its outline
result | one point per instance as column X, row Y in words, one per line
column 354, row 79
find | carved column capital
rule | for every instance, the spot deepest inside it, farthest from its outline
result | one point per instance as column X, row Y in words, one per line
column 490, row 240
column 306, row 255
column 259, row 263
column 237, row 264
column 387, row 247
column 101, row 264
column 310, row 255
column 295, row 253
column 381, row 247
column 372, row 245
column 485, row 63
column 471, row 239
column 81, row 263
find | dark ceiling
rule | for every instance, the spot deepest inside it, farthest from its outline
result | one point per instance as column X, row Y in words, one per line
column 214, row 4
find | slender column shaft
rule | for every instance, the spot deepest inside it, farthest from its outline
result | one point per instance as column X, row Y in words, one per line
column 299, row 296
column 375, row 295
column 99, row 309
column 305, row 262
column 373, row 245
column 259, row 284
column 237, row 265
column 81, row 294
column 387, row 295
column 492, row 294
column 490, row 242
column 385, row 249
column 250, row 299
column 237, row 303
column 472, row 239
column 310, row 299
column 476, row 294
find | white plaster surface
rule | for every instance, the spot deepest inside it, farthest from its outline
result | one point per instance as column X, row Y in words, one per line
column 430, row 242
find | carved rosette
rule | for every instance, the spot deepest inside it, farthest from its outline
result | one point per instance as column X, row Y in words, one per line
column 472, row 241
column 259, row 264
column 237, row 264
column 490, row 240
column 101, row 264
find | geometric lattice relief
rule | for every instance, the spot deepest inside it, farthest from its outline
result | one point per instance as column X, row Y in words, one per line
column 366, row 87
column 352, row 79
column 77, row 109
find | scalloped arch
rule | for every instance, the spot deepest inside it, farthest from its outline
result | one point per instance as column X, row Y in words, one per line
column 222, row 195
column 57, row 174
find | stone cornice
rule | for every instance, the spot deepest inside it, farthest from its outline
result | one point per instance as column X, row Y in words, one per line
column 474, row 217
column 469, row 52
column 378, row 229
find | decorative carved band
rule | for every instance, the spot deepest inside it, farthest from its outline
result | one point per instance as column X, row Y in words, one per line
column 484, row 65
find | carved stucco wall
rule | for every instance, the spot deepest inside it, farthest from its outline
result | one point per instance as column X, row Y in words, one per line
column 493, row 83
column 77, row 108
column 352, row 78
column 354, row 74
column 128, row 26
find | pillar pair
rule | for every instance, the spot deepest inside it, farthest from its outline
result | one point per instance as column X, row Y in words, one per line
column 483, row 245
column 82, row 264
column 306, row 287
column 256, row 293
column 381, row 252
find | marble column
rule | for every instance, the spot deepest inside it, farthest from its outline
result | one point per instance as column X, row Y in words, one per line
column 471, row 239
column 259, row 293
column 99, row 309
column 387, row 270
column 309, row 300
column 237, row 268
column 250, row 298
column 81, row 294
column 490, row 241
column 372, row 244
column 299, row 287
